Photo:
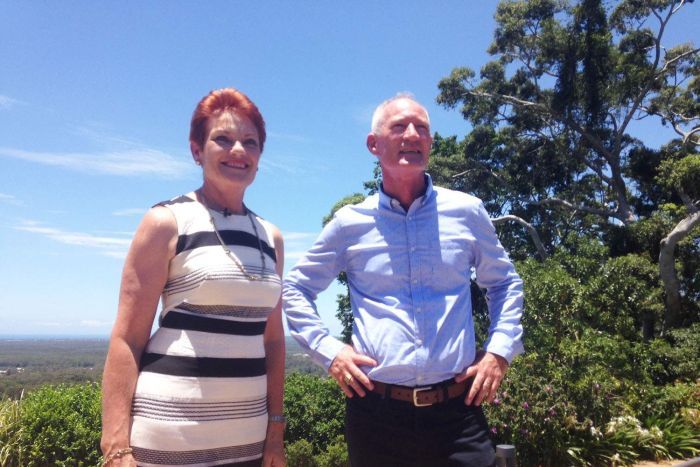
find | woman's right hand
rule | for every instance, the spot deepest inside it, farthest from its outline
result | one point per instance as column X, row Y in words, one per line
column 126, row 461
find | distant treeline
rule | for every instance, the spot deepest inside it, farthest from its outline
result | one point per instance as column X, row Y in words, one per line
column 26, row 364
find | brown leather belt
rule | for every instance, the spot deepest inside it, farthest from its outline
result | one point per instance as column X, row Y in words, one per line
column 423, row 396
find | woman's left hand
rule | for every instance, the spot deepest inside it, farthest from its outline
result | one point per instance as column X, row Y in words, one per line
column 273, row 455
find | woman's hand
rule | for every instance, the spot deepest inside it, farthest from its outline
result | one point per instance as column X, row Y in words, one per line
column 127, row 460
column 273, row 455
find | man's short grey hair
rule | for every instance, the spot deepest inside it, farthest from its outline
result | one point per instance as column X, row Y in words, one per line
column 378, row 115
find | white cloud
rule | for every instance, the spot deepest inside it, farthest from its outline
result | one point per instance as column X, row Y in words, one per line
column 48, row 324
column 363, row 115
column 9, row 199
column 109, row 246
column 93, row 323
column 291, row 165
column 288, row 137
column 100, row 133
column 129, row 212
column 122, row 163
column 300, row 236
column 296, row 244
column 7, row 102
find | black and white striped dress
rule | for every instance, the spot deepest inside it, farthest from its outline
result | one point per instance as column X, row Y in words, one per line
column 201, row 395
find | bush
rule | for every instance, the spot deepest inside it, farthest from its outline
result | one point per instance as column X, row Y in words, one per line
column 315, row 409
column 336, row 454
column 300, row 453
column 589, row 375
column 60, row 426
column 9, row 432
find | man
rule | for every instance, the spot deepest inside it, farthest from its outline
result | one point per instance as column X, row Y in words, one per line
column 408, row 252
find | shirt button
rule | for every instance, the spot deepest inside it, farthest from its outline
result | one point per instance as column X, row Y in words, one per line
column 419, row 342
column 410, row 218
column 419, row 309
column 413, row 248
column 415, row 281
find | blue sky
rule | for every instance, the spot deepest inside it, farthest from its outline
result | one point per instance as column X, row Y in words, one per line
column 95, row 103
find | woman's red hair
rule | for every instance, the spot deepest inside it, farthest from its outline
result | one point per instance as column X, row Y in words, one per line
column 224, row 100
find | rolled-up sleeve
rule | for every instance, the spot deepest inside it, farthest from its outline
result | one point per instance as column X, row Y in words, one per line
column 311, row 275
column 504, row 289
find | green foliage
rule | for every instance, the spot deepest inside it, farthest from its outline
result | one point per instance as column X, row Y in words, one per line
column 315, row 409
column 681, row 175
column 9, row 432
column 336, row 455
column 587, row 363
column 300, row 453
column 54, row 425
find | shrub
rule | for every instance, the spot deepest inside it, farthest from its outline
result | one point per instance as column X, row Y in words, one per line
column 60, row 425
column 315, row 408
column 9, row 432
column 336, row 455
column 300, row 453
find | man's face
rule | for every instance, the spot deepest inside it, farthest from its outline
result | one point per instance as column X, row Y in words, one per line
column 403, row 140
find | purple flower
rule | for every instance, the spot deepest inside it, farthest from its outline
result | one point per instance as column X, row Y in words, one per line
column 494, row 430
column 552, row 412
column 548, row 388
column 526, row 405
column 496, row 401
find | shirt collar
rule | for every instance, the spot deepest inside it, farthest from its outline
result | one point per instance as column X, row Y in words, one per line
column 388, row 202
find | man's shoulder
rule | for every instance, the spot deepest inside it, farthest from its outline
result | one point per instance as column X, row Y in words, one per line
column 456, row 198
column 361, row 209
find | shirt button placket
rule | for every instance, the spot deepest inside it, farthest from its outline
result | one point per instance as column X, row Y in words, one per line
column 414, row 265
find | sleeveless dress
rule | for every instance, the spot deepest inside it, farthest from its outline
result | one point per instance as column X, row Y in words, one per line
column 201, row 394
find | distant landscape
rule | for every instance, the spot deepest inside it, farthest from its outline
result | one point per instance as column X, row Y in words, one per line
column 29, row 362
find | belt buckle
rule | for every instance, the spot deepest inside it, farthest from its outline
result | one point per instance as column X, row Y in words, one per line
column 415, row 396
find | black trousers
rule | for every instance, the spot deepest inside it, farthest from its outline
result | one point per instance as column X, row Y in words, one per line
column 387, row 432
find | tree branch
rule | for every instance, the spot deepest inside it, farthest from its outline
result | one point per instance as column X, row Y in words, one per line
column 531, row 230
column 664, row 69
column 640, row 97
column 601, row 212
column 595, row 142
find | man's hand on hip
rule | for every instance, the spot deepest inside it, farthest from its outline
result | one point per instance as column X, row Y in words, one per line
column 488, row 371
column 345, row 370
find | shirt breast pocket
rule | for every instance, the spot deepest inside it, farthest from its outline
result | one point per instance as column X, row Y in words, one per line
column 450, row 264
column 373, row 261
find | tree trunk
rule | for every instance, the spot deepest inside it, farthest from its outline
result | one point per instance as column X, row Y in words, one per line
column 667, row 268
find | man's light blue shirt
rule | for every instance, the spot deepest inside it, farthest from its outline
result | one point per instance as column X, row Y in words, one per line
column 409, row 277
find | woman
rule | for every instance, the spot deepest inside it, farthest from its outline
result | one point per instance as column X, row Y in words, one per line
column 207, row 387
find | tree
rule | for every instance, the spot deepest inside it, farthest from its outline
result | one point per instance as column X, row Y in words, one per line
column 552, row 113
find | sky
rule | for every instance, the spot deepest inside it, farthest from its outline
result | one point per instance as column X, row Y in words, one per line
column 95, row 105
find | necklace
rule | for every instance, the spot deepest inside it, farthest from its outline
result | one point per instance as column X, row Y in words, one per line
column 251, row 277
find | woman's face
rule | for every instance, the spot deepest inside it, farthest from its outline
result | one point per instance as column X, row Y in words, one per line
column 231, row 151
